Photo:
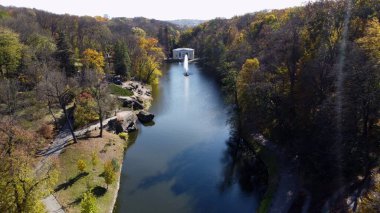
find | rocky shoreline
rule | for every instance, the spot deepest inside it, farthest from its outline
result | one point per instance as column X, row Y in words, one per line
column 126, row 121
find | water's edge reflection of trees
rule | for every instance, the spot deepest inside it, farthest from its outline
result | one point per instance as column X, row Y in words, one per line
column 241, row 164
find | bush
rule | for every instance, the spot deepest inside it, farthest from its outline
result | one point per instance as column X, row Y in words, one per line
column 117, row 90
column 123, row 135
column 46, row 131
column 109, row 173
column 81, row 165
column 94, row 159
column 88, row 203
column 115, row 164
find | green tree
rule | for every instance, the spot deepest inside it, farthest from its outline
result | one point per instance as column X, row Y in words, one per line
column 138, row 32
column 122, row 60
column 10, row 52
column 88, row 203
column 64, row 55
column 42, row 47
column 109, row 173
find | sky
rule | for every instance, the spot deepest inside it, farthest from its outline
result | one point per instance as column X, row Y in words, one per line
column 157, row 9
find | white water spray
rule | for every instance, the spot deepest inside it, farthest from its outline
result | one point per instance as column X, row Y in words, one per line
column 186, row 65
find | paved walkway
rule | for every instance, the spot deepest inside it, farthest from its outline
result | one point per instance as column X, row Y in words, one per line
column 52, row 205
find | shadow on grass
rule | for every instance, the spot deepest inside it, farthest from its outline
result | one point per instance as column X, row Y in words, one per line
column 76, row 201
column 53, row 149
column 101, row 175
column 70, row 182
column 98, row 191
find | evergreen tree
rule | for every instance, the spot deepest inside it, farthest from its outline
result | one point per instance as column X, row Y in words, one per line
column 64, row 55
column 121, row 59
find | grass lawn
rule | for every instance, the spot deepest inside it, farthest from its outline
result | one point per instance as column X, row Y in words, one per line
column 119, row 91
column 73, row 183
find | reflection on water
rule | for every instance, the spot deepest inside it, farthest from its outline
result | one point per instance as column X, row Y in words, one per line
column 241, row 164
column 186, row 90
column 188, row 161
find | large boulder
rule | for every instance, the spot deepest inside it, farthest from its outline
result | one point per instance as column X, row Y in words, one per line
column 131, row 103
column 145, row 117
column 123, row 123
column 115, row 125
column 131, row 127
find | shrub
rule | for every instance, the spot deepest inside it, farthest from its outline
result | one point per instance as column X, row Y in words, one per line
column 88, row 203
column 123, row 135
column 81, row 164
column 94, row 158
column 109, row 173
column 46, row 131
column 115, row 164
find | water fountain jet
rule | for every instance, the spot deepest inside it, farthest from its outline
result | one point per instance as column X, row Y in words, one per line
column 186, row 65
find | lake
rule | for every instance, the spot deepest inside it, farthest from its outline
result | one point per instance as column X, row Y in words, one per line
column 189, row 160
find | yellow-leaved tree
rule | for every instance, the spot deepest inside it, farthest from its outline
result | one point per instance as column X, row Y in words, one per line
column 371, row 40
column 93, row 59
column 245, row 80
column 147, row 59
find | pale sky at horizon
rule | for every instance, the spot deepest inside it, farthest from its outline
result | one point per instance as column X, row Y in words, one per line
column 157, row 9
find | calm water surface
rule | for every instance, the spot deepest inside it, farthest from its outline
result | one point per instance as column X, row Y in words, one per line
column 184, row 162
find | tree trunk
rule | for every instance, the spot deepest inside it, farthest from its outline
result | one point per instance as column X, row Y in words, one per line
column 52, row 114
column 101, row 123
column 148, row 76
column 69, row 122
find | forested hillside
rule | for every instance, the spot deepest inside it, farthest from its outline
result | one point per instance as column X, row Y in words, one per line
column 56, row 75
column 281, row 68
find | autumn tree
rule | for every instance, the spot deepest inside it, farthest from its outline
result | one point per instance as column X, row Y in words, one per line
column 94, row 83
column 94, row 60
column 148, row 62
column 245, row 81
column 81, row 164
column 371, row 40
column 21, row 185
column 84, row 112
column 58, row 89
column 10, row 52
